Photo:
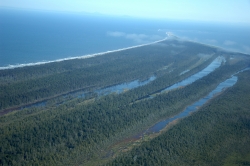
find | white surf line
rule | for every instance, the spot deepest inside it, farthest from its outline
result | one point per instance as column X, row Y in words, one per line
column 80, row 57
column 169, row 35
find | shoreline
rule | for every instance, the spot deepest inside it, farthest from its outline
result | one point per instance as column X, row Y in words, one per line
column 79, row 57
column 170, row 36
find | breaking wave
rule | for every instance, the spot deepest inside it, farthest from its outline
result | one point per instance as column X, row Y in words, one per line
column 77, row 57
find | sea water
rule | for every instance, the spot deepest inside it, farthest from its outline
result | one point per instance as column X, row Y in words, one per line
column 40, row 36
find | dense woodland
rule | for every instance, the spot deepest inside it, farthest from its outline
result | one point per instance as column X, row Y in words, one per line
column 31, row 84
column 81, row 131
column 218, row 134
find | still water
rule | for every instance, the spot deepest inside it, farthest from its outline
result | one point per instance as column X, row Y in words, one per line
column 136, row 83
column 101, row 92
column 210, row 68
column 123, row 87
column 222, row 86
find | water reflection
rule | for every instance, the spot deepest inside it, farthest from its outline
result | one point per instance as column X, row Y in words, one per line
column 160, row 125
column 125, row 86
column 105, row 91
column 210, row 68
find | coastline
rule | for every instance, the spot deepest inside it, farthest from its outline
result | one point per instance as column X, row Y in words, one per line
column 79, row 57
column 170, row 36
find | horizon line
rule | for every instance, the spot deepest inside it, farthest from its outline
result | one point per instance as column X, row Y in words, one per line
column 96, row 13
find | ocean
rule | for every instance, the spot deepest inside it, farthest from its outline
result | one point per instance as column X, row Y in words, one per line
column 40, row 36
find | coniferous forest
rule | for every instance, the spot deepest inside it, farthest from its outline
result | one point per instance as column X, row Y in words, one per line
column 45, row 119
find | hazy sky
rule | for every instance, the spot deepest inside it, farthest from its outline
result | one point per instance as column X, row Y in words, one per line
column 209, row 10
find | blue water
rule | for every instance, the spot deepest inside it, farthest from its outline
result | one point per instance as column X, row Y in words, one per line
column 100, row 92
column 160, row 125
column 222, row 86
column 211, row 67
column 123, row 87
column 32, row 36
column 119, row 88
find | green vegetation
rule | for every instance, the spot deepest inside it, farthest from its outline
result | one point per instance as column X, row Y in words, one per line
column 35, row 83
column 218, row 134
column 83, row 131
